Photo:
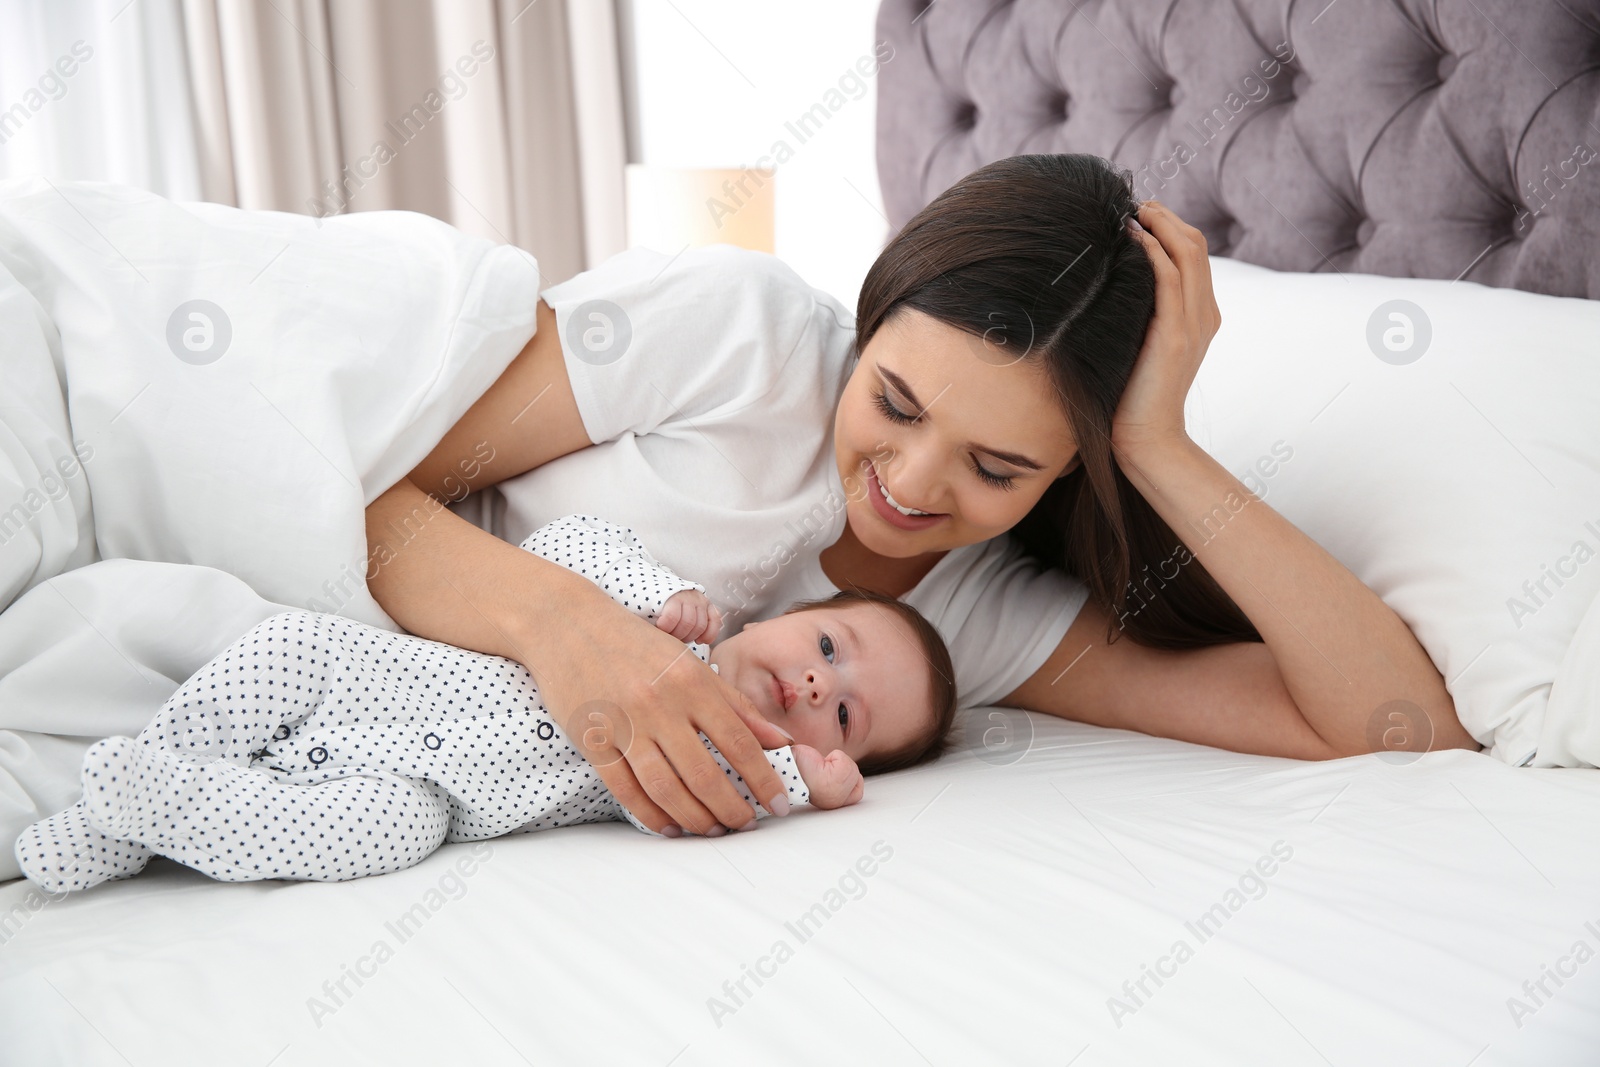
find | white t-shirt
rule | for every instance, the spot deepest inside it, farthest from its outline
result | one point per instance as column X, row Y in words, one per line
column 710, row 380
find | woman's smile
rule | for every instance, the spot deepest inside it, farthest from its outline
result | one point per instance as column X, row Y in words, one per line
column 891, row 514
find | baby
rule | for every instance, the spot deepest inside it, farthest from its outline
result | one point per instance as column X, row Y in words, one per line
column 315, row 748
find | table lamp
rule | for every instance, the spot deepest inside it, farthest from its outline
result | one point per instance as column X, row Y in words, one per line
column 673, row 207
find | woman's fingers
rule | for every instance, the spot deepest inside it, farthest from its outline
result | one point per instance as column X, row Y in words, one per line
column 1169, row 283
column 1152, row 402
column 699, row 783
column 742, row 734
column 684, row 778
column 666, row 781
column 619, row 777
column 1185, row 247
column 1180, row 238
column 655, row 697
column 1157, row 235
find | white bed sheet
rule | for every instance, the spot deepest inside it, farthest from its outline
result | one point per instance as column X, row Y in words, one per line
column 1014, row 902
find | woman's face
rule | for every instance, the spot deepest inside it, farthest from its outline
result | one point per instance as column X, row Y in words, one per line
column 981, row 439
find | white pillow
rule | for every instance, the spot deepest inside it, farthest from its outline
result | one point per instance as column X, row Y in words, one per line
column 1447, row 451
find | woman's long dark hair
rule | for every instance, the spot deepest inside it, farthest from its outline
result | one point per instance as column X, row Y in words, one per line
column 1033, row 253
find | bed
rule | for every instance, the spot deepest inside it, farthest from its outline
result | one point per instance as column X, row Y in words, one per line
column 1051, row 892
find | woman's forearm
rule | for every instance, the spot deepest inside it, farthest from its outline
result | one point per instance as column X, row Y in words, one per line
column 444, row 579
column 1343, row 653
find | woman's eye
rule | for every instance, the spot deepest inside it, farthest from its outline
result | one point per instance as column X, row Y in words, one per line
column 889, row 410
column 844, row 717
column 827, row 647
column 894, row 414
column 999, row 481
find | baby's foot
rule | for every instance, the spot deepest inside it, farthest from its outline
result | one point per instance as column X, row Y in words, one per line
column 134, row 792
column 64, row 853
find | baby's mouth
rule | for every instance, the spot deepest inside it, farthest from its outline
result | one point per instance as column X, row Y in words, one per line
column 780, row 694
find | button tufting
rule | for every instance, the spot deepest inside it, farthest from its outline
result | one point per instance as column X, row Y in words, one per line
column 1235, row 233
column 1521, row 222
column 966, row 115
column 1300, row 83
column 1447, row 65
column 1174, row 95
column 1364, row 232
column 1062, row 106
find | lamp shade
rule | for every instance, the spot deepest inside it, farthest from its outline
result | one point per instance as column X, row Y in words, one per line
column 673, row 207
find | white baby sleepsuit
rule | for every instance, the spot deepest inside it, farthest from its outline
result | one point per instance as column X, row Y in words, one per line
column 317, row 748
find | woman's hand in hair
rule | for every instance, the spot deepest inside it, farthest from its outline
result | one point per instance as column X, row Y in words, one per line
column 1185, row 320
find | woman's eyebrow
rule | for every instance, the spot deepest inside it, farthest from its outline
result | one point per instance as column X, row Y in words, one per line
column 1016, row 459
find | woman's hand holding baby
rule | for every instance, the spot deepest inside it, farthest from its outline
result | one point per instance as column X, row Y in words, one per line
column 834, row 780
column 634, row 701
column 689, row 616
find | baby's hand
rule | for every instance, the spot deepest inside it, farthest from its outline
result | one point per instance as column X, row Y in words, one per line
column 689, row 615
column 834, row 780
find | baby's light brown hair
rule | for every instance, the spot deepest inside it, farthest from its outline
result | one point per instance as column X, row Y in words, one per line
column 931, row 743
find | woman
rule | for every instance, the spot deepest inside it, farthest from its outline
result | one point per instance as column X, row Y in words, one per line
column 1020, row 360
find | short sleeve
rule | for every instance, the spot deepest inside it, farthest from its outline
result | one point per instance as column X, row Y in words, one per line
column 651, row 339
column 1000, row 612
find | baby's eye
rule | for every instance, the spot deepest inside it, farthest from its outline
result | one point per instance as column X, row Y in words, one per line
column 827, row 647
column 844, row 717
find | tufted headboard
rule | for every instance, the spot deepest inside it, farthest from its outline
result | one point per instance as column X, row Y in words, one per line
column 1412, row 138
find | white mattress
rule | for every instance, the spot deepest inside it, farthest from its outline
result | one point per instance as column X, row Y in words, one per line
column 1014, row 902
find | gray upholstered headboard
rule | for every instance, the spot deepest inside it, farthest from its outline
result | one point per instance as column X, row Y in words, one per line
column 1413, row 138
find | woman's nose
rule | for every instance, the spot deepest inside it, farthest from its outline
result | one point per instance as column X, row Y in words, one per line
column 916, row 480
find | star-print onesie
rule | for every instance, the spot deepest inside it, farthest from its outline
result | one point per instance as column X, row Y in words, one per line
column 315, row 748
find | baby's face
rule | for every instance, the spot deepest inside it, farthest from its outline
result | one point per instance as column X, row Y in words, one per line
column 852, row 677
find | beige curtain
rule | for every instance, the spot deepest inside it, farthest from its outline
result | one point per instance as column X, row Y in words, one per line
column 501, row 117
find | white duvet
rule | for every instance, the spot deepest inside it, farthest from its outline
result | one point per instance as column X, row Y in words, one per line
column 196, row 405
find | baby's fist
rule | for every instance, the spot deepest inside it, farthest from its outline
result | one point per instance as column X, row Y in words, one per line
column 834, row 780
column 689, row 615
